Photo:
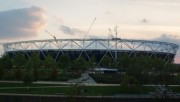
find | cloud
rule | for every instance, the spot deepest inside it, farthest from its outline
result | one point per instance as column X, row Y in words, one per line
column 171, row 39
column 57, row 19
column 69, row 30
column 144, row 20
column 97, row 36
column 21, row 23
column 108, row 12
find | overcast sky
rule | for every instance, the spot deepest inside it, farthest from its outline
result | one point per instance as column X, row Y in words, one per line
column 136, row 19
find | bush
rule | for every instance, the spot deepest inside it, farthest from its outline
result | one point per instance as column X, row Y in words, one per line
column 54, row 74
column 36, row 74
column 129, row 81
column 27, row 78
column 177, row 79
column 18, row 74
column 9, row 75
column 1, row 73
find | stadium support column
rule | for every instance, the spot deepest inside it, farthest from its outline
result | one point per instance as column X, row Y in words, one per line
column 116, row 50
column 116, row 43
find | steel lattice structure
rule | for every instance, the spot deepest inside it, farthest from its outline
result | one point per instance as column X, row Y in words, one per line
column 88, row 47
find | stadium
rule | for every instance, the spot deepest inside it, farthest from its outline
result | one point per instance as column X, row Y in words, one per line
column 114, row 48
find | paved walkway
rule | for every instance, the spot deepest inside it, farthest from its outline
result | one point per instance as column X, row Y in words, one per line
column 84, row 79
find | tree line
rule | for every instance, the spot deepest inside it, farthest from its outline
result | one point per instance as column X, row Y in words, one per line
column 144, row 68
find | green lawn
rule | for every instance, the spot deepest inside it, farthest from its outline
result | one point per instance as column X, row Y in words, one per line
column 71, row 90
column 175, row 89
column 9, row 84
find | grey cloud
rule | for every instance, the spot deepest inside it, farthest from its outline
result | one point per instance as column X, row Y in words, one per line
column 97, row 36
column 68, row 30
column 169, row 38
column 94, row 37
column 108, row 12
column 24, row 22
column 111, row 36
column 57, row 19
column 144, row 20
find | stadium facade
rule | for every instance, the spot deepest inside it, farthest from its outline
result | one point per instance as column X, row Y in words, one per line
column 87, row 48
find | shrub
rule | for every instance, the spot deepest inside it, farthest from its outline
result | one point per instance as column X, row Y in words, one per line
column 27, row 78
column 1, row 73
column 18, row 74
column 129, row 81
column 36, row 74
column 54, row 74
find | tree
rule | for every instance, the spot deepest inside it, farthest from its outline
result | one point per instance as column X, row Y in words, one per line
column 1, row 73
column 1, row 69
column 53, row 74
column 123, row 61
column 29, row 65
column 64, row 62
column 138, row 69
column 18, row 74
column 129, row 81
column 6, row 62
column 36, row 61
column 92, row 63
column 135, row 70
column 35, row 70
column 106, row 61
column 79, row 64
column 27, row 77
column 177, row 79
column 19, row 60
column 49, row 62
column 35, row 64
column 158, row 68
column 159, row 64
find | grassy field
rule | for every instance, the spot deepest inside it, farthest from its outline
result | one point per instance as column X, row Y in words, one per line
column 175, row 89
column 71, row 90
column 9, row 84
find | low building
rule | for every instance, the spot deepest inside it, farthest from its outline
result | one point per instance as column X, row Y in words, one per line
column 105, row 70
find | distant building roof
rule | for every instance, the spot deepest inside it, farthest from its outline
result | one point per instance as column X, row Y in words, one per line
column 105, row 69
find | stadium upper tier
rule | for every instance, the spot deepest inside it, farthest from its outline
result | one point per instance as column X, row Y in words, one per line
column 88, row 47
